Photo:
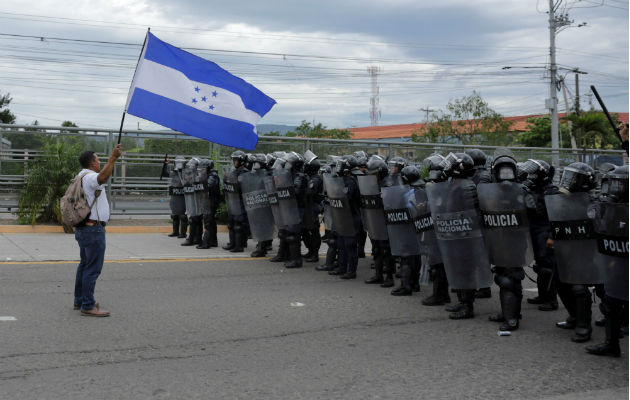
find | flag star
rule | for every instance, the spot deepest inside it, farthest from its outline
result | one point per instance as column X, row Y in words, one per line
column 214, row 94
column 197, row 89
column 194, row 100
column 211, row 107
column 203, row 98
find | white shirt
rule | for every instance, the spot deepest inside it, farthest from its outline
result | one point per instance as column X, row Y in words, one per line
column 100, row 210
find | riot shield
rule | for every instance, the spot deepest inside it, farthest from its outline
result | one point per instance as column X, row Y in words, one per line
column 611, row 227
column 189, row 192
column 339, row 206
column 202, row 195
column 176, row 200
column 272, row 199
column 506, row 227
column 289, row 213
column 328, row 219
column 311, row 217
column 232, row 192
column 423, row 222
column 458, row 231
column 573, row 233
column 401, row 231
column 259, row 215
column 372, row 207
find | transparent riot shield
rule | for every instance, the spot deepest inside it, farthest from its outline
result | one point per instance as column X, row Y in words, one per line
column 189, row 192
column 401, row 230
column 611, row 226
column 505, row 223
column 202, row 195
column 573, row 233
column 458, row 231
column 232, row 192
column 176, row 200
column 341, row 214
column 311, row 217
column 423, row 222
column 372, row 207
column 259, row 214
column 285, row 191
column 272, row 199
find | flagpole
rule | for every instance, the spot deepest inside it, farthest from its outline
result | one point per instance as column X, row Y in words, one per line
column 122, row 121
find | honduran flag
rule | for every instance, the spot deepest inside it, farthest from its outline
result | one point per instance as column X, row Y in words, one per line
column 195, row 96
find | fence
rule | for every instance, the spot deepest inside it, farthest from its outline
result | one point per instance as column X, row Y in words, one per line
column 136, row 187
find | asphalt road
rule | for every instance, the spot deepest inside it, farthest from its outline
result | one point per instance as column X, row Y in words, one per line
column 248, row 329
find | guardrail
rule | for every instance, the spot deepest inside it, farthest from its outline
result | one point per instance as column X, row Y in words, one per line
column 135, row 187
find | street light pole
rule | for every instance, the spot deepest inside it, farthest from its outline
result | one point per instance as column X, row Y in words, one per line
column 553, row 101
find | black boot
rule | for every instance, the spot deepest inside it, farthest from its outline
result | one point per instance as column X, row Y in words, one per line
column 613, row 328
column 405, row 279
column 500, row 316
column 465, row 312
column 415, row 274
column 240, row 239
column 183, row 226
column 283, row 252
column 378, row 271
column 389, row 268
column 175, row 220
column 440, row 294
column 331, row 255
column 261, row 250
column 459, row 305
column 294, row 252
column 205, row 241
column 483, row 293
column 583, row 302
column 190, row 240
column 511, row 307
column 198, row 231
column 231, row 241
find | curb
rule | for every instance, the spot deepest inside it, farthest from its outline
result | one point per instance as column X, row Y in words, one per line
column 34, row 229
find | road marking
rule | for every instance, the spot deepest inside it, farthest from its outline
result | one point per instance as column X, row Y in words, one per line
column 8, row 319
column 296, row 304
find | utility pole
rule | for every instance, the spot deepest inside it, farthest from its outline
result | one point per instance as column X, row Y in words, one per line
column 553, row 101
column 427, row 110
column 375, row 113
column 577, row 92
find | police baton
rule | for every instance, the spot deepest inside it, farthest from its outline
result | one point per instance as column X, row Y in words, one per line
column 601, row 103
column 164, row 166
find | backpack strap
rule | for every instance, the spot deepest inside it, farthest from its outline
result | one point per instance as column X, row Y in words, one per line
column 96, row 192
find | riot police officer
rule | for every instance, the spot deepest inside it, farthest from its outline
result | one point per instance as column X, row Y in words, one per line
column 575, row 247
column 177, row 202
column 210, row 203
column 361, row 169
column 537, row 178
column 312, row 206
column 294, row 163
column 610, row 216
column 192, row 210
column 256, row 202
column 236, row 211
column 330, row 236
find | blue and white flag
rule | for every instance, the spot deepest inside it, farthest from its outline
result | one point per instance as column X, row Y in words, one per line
column 186, row 93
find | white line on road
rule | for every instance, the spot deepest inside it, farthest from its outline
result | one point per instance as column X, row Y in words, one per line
column 8, row 319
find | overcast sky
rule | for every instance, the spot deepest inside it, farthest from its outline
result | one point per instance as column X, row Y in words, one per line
column 312, row 57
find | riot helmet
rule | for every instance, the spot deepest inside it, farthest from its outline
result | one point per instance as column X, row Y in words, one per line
column 410, row 174
column 345, row 164
column 271, row 159
column 615, row 185
column 433, row 164
column 179, row 163
column 577, row 177
column 362, row 161
column 311, row 163
column 376, row 165
column 458, row 165
column 504, row 165
column 294, row 161
column 396, row 164
column 536, row 171
column 249, row 161
column 192, row 163
column 360, row 154
column 479, row 158
column 238, row 158
column 259, row 161
column 309, row 156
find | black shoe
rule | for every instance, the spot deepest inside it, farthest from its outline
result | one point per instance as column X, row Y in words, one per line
column 568, row 324
column 374, row 280
column 455, row 307
column 323, row 267
column 535, row 300
column 600, row 322
column 510, row 325
column 436, row 301
column 496, row 318
column 174, row 234
column 203, row 246
column 387, row 283
column 581, row 337
column 187, row 243
column 483, row 293
column 237, row 250
column 464, row 313
column 604, row 349
column 214, row 244
column 336, row 272
column 181, row 236
column 293, row 264
column 550, row 306
column 313, row 258
column 228, row 246
column 348, row 275
column 258, row 253
column 279, row 258
column 401, row 291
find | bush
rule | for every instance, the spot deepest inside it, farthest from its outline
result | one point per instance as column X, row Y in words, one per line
column 48, row 179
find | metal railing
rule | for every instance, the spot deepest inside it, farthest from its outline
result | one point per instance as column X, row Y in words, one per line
column 135, row 187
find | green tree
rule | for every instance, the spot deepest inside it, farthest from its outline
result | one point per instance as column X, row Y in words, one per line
column 539, row 133
column 467, row 120
column 305, row 129
column 592, row 130
column 6, row 116
column 47, row 181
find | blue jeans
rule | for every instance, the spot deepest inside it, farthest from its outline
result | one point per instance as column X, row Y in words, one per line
column 91, row 241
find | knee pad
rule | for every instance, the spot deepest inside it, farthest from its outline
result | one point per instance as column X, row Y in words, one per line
column 580, row 291
column 504, row 282
column 238, row 227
